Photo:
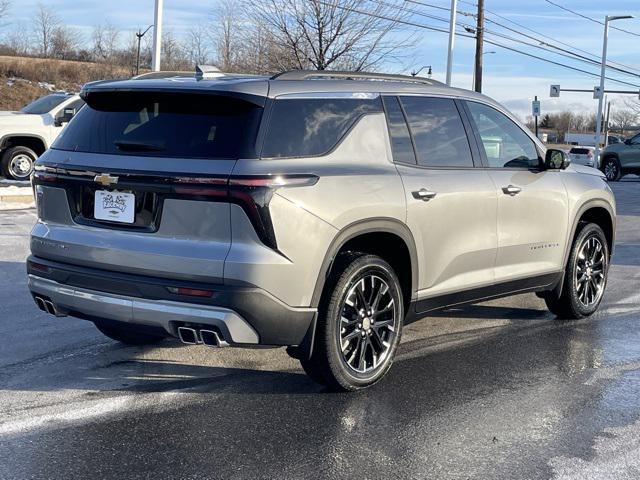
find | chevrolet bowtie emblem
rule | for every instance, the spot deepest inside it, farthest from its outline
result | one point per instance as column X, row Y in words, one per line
column 105, row 179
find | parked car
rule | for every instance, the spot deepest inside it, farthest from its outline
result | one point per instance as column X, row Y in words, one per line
column 320, row 211
column 26, row 134
column 583, row 156
column 621, row 159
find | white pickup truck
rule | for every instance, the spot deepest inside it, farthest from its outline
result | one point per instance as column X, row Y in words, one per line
column 25, row 135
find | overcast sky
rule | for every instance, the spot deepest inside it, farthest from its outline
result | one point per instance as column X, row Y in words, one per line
column 511, row 78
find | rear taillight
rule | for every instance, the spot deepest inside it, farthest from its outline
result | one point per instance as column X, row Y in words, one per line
column 252, row 192
column 191, row 292
column 39, row 267
column 275, row 181
column 590, row 154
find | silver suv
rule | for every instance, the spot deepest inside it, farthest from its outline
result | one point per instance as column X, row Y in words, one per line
column 321, row 211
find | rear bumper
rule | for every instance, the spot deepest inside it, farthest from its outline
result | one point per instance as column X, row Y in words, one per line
column 243, row 315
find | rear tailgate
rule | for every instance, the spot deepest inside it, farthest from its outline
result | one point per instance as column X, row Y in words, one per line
column 138, row 184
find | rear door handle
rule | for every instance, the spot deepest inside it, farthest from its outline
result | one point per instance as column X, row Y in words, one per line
column 423, row 194
column 511, row 190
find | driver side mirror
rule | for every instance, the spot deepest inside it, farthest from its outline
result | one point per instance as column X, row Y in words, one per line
column 65, row 117
column 556, row 160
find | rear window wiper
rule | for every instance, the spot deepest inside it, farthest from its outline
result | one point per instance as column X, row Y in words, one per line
column 137, row 146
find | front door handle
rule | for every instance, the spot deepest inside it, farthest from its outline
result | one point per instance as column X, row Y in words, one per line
column 511, row 190
column 423, row 194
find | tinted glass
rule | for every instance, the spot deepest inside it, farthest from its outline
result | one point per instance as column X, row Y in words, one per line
column 438, row 132
column 579, row 151
column 312, row 126
column 401, row 145
column 163, row 125
column 505, row 143
column 44, row 104
column 76, row 105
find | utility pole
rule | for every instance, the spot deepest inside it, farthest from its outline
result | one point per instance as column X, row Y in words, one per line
column 479, row 48
column 452, row 38
column 157, row 37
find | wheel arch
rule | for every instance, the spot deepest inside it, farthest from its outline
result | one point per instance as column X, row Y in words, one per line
column 596, row 211
column 36, row 143
column 610, row 155
column 376, row 236
column 355, row 235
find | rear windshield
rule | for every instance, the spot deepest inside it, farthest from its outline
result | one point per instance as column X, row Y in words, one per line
column 163, row 125
column 44, row 104
column 312, row 126
column 580, row 151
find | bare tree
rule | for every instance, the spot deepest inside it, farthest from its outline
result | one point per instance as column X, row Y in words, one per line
column 65, row 42
column 18, row 39
column 46, row 23
column 633, row 105
column 562, row 123
column 333, row 34
column 105, row 39
column 196, row 45
column 622, row 119
column 173, row 55
column 5, row 5
column 226, row 35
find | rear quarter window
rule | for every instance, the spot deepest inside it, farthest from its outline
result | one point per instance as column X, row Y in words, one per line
column 305, row 127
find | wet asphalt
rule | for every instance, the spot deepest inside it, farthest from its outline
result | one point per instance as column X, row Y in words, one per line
column 496, row 390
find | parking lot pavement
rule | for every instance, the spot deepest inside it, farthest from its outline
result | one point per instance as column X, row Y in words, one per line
column 496, row 390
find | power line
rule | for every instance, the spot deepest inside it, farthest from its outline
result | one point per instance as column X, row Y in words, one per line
column 586, row 17
column 442, row 30
column 596, row 60
column 542, row 45
column 597, row 57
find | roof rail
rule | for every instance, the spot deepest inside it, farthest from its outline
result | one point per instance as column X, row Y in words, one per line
column 309, row 74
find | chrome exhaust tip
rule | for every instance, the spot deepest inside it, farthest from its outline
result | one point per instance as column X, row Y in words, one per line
column 41, row 304
column 212, row 339
column 188, row 335
column 52, row 309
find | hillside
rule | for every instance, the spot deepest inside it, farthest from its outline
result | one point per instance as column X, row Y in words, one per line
column 23, row 79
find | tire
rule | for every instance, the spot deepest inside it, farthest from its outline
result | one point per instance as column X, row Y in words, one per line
column 585, row 276
column 357, row 337
column 612, row 169
column 18, row 162
column 127, row 335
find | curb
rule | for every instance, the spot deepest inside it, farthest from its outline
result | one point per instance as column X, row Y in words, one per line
column 16, row 198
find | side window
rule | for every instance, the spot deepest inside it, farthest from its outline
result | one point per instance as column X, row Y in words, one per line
column 438, row 132
column 304, row 127
column 401, row 144
column 505, row 143
column 76, row 105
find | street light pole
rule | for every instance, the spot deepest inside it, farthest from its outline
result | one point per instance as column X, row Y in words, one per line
column 157, row 37
column 603, row 68
column 452, row 38
column 140, row 35
column 473, row 82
